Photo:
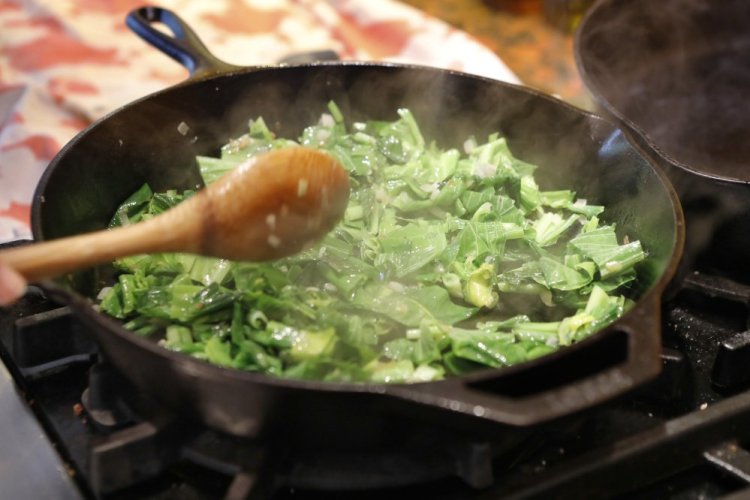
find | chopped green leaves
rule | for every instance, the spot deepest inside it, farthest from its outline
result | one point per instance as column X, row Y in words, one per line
column 446, row 261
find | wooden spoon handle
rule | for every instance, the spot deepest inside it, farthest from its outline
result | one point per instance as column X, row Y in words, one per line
column 57, row 257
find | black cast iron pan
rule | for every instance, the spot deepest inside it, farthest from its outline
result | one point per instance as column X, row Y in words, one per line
column 141, row 143
column 677, row 74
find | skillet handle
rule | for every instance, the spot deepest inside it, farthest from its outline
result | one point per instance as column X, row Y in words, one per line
column 606, row 365
column 185, row 46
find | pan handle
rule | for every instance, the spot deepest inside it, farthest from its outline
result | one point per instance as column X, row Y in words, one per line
column 608, row 364
column 184, row 46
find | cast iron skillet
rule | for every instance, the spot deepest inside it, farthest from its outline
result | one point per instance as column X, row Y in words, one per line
column 141, row 143
column 676, row 74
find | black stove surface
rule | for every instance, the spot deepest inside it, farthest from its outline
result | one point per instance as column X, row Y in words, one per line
column 681, row 436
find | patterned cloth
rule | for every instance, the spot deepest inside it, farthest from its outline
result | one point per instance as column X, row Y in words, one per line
column 65, row 63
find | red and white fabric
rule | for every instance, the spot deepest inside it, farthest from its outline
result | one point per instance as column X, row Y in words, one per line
column 65, row 63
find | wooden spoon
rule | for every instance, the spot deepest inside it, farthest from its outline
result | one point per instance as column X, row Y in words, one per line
column 270, row 207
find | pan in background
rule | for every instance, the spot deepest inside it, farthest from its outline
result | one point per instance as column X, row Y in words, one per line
column 677, row 74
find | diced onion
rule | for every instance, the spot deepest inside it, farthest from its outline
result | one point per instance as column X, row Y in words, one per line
column 326, row 120
column 484, row 170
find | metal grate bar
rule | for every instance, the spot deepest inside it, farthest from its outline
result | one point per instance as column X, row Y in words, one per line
column 729, row 457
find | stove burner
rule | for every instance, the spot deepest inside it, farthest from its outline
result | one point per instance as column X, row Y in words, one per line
column 140, row 440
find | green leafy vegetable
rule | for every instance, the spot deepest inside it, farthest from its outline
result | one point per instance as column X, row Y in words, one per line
column 445, row 262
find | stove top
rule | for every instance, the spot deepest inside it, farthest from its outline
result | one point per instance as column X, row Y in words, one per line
column 78, row 430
